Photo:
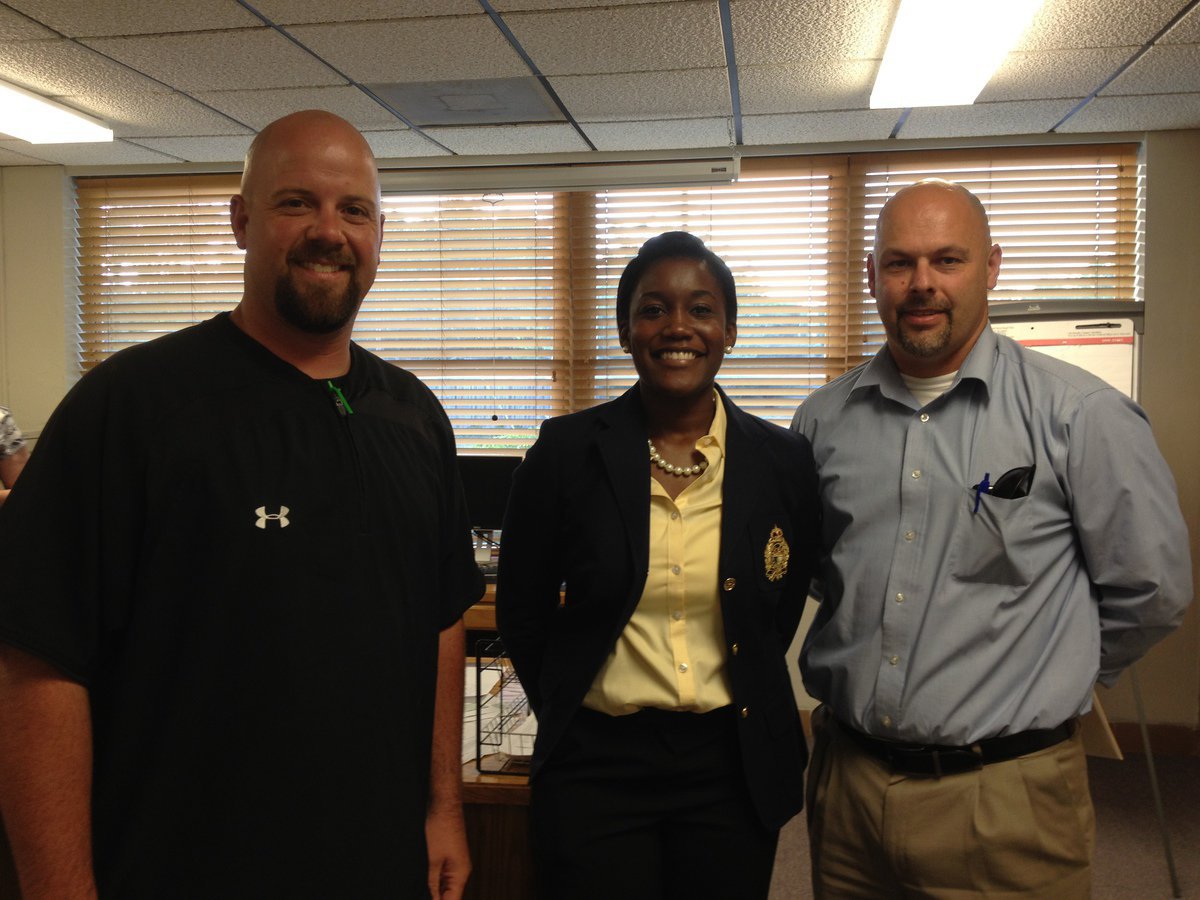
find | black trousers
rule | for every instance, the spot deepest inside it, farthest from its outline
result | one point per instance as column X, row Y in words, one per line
column 649, row 806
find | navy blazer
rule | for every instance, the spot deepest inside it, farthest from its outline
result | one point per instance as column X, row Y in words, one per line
column 578, row 519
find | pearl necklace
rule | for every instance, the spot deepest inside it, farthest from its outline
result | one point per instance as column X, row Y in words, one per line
column 671, row 469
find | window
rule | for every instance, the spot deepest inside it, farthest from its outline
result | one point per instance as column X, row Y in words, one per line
column 503, row 302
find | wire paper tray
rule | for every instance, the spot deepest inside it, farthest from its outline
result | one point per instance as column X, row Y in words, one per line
column 505, row 726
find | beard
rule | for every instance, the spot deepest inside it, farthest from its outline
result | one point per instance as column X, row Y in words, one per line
column 923, row 344
column 313, row 310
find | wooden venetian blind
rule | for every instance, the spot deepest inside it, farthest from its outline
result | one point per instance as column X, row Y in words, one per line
column 155, row 254
column 469, row 297
column 503, row 303
column 1065, row 217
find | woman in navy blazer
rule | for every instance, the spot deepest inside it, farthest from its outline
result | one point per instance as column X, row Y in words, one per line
column 671, row 801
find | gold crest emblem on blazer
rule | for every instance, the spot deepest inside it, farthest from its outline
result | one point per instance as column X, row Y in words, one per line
column 775, row 556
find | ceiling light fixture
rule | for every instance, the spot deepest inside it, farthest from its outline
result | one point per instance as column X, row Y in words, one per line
column 35, row 119
column 943, row 52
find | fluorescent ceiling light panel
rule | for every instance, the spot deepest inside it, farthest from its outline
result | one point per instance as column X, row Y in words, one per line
column 39, row 121
column 943, row 52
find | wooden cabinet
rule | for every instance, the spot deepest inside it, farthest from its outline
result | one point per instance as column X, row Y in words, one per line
column 496, row 809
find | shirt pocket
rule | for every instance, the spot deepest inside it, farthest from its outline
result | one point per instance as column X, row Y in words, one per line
column 989, row 539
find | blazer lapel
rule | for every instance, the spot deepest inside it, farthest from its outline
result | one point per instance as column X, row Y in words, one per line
column 740, row 488
column 621, row 440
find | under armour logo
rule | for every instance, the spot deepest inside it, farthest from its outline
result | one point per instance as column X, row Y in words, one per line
column 264, row 517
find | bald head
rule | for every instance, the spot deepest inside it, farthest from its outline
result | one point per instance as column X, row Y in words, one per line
column 299, row 132
column 929, row 190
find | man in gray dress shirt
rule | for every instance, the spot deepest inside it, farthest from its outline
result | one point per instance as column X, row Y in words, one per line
column 1000, row 532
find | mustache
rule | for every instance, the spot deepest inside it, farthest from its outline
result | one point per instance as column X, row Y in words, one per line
column 318, row 252
column 911, row 306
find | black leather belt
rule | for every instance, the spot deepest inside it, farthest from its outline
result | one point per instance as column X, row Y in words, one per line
column 938, row 760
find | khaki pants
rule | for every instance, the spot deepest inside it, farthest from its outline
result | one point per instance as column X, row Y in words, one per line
column 1023, row 828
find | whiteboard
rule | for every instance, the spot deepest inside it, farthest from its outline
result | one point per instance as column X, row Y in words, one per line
column 1105, row 347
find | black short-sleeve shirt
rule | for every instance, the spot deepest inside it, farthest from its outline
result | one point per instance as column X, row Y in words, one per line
column 249, row 571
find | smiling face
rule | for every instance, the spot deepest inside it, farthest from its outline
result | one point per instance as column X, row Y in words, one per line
column 308, row 217
column 930, row 272
column 677, row 328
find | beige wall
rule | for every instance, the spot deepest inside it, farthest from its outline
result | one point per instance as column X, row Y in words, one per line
column 37, row 291
column 37, row 328
column 1170, row 674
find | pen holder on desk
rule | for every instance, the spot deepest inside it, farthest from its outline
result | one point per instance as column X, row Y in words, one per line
column 505, row 726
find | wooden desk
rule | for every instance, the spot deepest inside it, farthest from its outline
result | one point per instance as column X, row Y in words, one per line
column 482, row 616
column 496, row 809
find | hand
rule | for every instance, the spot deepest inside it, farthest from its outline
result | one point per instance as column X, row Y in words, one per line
column 449, row 856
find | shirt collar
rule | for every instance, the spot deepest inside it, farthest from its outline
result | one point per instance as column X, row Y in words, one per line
column 716, row 431
column 881, row 371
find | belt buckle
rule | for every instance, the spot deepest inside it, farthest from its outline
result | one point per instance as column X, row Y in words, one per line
column 935, row 761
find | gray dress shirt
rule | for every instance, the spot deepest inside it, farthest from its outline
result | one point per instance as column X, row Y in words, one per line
column 948, row 620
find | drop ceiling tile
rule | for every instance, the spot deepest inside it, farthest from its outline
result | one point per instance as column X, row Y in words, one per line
column 441, row 49
column 309, row 12
column 1053, row 74
column 819, row 127
column 770, row 32
column 1186, row 31
column 259, row 108
column 210, row 148
column 1168, row 69
column 109, row 17
column 983, row 119
column 219, row 60
column 505, row 6
column 677, row 134
column 498, row 139
column 486, row 101
column 1064, row 24
column 61, row 67
column 645, row 38
column 115, row 154
column 1165, row 112
column 401, row 145
column 839, row 84
column 16, row 27
column 154, row 114
column 688, row 94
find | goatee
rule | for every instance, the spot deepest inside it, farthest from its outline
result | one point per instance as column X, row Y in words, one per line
column 313, row 310
column 923, row 344
column 315, row 314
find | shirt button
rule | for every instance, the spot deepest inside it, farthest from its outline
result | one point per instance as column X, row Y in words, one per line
column 887, row 721
column 683, row 667
column 730, row 584
column 899, row 596
column 674, row 570
column 734, row 649
column 893, row 660
column 916, row 473
column 910, row 535
column 745, row 712
column 924, row 417
column 677, row 615
column 674, row 515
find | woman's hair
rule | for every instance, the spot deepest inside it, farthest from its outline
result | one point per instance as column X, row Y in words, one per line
column 674, row 245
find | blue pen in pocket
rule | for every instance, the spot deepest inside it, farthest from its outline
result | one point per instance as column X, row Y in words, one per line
column 981, row 488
